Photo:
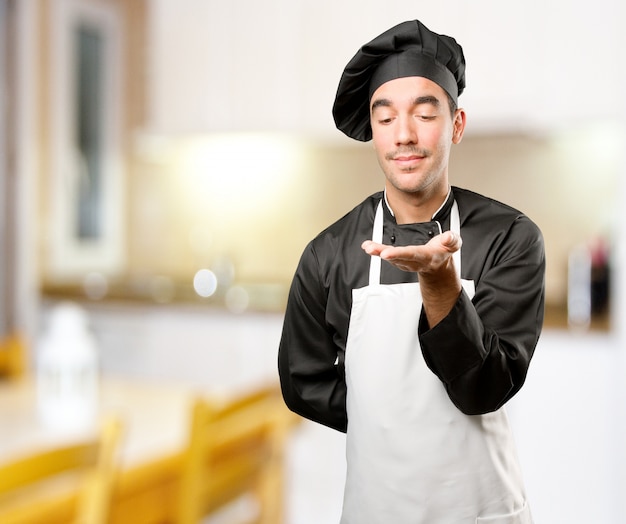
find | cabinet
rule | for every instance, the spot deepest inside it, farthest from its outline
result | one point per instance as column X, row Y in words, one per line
column 274, row 65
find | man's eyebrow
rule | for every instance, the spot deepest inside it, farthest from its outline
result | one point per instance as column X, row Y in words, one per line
column 381, row 102
column 428, row 99
column 420, row 100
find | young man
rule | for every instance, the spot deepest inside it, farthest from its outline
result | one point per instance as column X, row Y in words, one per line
column 412, row 320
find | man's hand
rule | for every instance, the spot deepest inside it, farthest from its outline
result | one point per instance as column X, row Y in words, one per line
column 433, row 262
column 429, row 258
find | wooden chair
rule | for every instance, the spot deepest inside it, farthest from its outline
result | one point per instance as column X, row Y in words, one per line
column 235, row 449
column 84, row 471
column 13, row 361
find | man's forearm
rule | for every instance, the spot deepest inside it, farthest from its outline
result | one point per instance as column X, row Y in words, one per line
column 440, row 290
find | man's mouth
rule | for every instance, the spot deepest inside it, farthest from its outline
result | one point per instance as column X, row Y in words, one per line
column 408, row 158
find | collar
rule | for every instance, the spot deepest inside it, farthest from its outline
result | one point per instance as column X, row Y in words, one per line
column 440, row 213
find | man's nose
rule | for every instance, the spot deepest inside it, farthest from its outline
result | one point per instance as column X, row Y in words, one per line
column 406, row 131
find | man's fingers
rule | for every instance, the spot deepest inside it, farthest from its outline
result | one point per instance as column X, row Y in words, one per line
column 372, row 248
column 451, row 240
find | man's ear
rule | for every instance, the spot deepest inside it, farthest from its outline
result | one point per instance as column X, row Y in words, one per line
column 459, row 125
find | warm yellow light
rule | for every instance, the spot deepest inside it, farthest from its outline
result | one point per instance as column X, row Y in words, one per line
column 237, row 171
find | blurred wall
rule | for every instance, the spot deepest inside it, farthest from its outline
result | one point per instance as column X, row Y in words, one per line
column 273, row 68
column 260, row 216
column 231, row 160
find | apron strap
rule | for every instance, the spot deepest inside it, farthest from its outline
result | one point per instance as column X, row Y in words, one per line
column 455, row 226
column 377, row 236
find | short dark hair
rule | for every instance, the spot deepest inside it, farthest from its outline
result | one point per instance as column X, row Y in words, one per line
column 452, row 104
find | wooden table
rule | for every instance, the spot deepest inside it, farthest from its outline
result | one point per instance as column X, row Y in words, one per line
column 155, row 418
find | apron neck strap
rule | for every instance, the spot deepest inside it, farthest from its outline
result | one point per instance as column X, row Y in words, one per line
column 377, row 236
column 455, row 227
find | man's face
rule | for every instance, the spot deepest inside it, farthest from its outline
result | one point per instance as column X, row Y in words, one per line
column 412, row 131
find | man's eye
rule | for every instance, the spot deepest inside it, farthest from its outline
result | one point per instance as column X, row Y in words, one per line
column 385, row 121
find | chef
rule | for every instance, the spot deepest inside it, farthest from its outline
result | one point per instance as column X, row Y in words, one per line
column 412, row 320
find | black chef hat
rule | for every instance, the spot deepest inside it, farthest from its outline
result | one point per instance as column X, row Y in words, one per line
column 408, row 49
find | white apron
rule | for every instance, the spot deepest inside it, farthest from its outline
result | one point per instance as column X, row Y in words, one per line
column 413, row 457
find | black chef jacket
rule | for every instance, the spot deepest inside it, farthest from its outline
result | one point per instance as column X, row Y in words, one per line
column 482, row 349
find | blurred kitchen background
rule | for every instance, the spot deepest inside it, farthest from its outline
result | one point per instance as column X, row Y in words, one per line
column 164, row 163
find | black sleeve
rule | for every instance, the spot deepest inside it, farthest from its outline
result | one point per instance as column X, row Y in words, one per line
column 312, row 382
column 481, row 351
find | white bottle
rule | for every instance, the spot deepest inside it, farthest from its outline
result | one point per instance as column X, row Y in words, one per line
column 579, row 287
column 67, row 370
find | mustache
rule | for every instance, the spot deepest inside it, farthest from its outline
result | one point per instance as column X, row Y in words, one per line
column 407, row 151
